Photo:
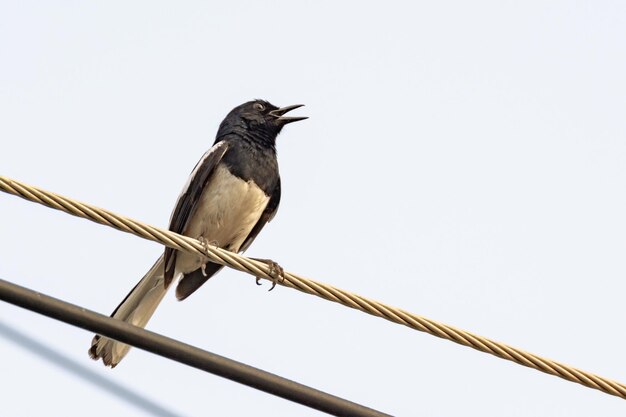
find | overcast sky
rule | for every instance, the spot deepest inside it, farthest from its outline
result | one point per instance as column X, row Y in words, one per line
column 462, row 160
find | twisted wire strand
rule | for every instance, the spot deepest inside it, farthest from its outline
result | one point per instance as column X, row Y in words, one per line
column 325, row 291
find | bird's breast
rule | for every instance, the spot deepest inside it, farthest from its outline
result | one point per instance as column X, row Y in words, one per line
column 227, row 210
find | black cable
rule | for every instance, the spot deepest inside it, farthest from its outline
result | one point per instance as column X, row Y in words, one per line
column 181, row 352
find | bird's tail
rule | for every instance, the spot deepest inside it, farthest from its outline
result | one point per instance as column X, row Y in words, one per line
column 137, row 308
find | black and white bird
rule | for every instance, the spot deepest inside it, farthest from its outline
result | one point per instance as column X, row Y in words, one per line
column 233, row 191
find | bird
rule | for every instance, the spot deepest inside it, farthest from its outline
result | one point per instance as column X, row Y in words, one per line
column 233, row 191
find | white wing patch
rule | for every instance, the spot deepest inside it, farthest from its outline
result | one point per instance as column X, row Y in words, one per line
column 208, row 153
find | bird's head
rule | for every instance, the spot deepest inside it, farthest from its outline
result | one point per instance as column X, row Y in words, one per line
column 258, row 120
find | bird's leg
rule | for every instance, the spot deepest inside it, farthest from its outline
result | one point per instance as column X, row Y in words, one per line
column 205, row 245
column 277, row 273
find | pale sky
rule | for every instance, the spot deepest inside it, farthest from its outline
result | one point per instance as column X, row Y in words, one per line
column 463, row 161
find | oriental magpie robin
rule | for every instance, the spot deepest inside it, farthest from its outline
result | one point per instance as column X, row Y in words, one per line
column 233, row 191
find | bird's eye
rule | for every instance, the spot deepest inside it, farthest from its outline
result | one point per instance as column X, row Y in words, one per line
column 259, row 106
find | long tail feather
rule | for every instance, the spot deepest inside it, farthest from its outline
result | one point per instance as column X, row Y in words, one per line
column 137, row 308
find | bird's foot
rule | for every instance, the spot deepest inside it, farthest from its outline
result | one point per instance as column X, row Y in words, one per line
column 276, row 272
column 205, row 244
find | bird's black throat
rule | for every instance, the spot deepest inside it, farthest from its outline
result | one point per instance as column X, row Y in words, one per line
column 259, row 133
column 252, row 159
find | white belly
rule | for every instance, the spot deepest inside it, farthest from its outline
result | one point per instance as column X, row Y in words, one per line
column 227, row 211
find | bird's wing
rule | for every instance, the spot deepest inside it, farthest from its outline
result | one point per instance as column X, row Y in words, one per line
column 266, row 217
column 188, row 200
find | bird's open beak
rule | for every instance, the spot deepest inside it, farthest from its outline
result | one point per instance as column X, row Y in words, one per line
column 278, row 113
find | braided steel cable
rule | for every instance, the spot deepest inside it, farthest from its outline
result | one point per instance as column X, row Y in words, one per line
column 328, row 292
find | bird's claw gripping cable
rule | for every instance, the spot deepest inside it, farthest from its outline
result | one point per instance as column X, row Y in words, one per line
column 276, row 272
